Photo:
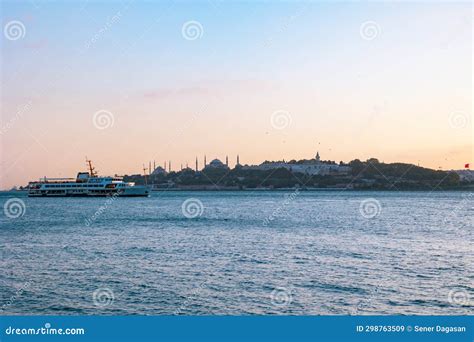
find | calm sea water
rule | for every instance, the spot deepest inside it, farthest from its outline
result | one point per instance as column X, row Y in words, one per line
column 243, row 253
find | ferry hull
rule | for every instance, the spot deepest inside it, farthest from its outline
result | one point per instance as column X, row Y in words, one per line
column 136, row 191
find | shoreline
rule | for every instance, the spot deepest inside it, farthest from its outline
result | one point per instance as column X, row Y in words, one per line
column 314, row 190
column 214, row 189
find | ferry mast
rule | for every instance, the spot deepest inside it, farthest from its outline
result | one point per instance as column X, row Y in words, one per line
column 91, row 168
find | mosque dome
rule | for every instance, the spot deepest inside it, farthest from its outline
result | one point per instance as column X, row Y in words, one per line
column 216, row 164
column 158, row 171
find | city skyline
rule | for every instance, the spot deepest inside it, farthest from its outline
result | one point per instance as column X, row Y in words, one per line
column 200, row 164
column 125, row 83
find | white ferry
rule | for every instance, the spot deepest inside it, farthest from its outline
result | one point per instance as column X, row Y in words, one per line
column 86, row 184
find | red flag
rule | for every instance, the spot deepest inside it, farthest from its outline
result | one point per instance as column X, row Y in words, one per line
column 466, row 166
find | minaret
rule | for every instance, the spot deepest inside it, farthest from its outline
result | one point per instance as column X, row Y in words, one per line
column 238, row 161
column 149, row 167
column 196, row 164
column 227, row 161
column 154, row 165
column 181, row 167
column 169, row 165
column 205, row 163
column 144, row 174
column 165, row 166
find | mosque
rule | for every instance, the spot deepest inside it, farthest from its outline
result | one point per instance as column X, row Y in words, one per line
column 311, row 167
column 213, row 165
column 217, row 164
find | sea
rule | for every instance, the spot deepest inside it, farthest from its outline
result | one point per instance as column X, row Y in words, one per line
column 239, row 253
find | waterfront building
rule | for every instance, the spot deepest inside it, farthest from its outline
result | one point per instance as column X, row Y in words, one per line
column 216, row 164
column 311, row 167
column 159, row 171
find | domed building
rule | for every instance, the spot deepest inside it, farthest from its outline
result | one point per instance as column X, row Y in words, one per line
column 159, row 171
column 216, row 164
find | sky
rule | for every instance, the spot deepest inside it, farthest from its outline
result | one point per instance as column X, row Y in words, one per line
column 124, row 83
